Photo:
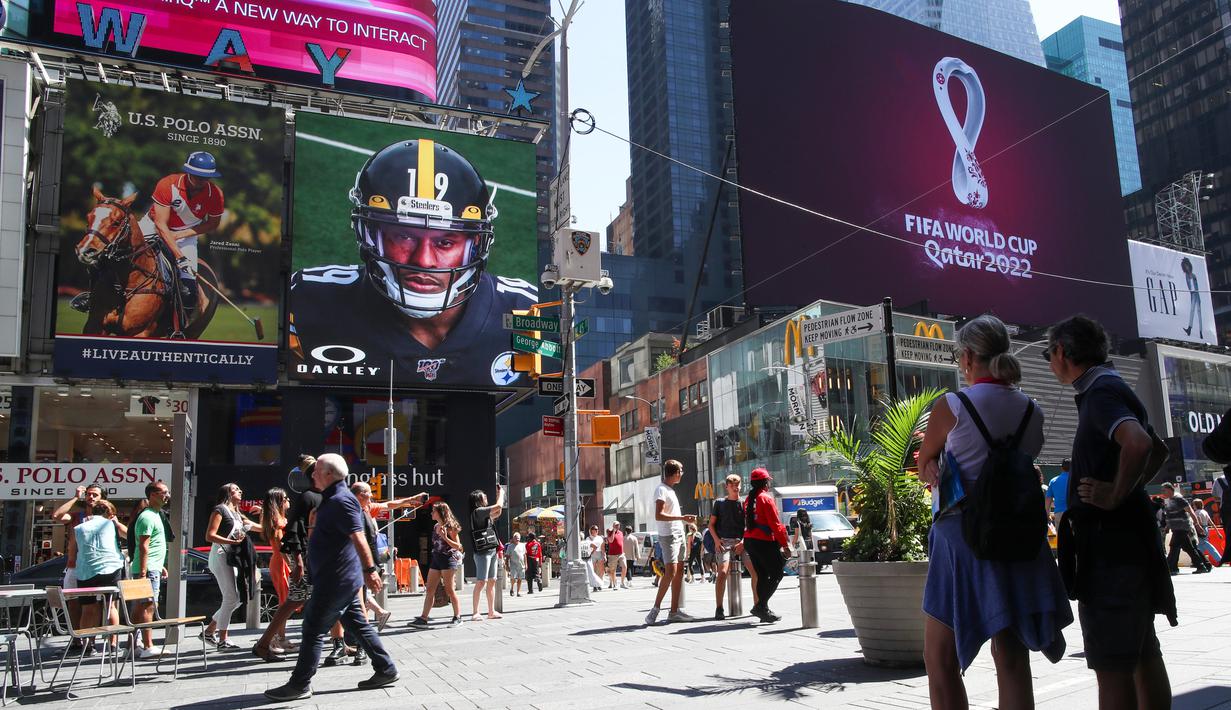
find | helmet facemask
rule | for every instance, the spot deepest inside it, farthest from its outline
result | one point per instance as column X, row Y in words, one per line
column 388, row 275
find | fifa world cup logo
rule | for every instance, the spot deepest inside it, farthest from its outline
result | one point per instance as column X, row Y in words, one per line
column 968, row 182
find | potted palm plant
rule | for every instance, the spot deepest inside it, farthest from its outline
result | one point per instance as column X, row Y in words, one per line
column 884, row 564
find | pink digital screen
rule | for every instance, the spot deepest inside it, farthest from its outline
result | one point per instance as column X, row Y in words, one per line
column 363, row 46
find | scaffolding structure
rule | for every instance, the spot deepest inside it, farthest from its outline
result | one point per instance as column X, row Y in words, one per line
column 1177, row 209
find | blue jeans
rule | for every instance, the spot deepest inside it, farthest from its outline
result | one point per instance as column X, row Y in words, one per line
column 324, row 608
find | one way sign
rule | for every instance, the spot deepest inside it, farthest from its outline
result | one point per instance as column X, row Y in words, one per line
column 554, row 387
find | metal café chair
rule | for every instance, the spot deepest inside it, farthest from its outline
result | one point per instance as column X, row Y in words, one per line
column 64, row 625
column 11, row 631
column 140, row 590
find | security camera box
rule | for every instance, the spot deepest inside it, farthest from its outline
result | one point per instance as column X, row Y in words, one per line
column 578, row 254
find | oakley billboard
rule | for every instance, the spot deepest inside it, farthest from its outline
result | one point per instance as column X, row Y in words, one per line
column 983, row 173
column 408, row 247
column 378, row 47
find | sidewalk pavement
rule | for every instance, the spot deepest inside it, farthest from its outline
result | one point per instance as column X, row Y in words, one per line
column 602, row 656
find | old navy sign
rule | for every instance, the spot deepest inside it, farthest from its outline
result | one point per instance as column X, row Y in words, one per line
column 376, row 47
column 58, row 481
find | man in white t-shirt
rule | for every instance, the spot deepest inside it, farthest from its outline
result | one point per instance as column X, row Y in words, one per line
column 634, row 554
column 670, row 521
column 594, row 546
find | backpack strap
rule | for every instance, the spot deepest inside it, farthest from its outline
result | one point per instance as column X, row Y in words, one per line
column 987, row 437
column 1021, row 428
column 974, row 414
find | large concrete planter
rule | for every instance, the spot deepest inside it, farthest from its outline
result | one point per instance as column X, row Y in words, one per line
column 885, row 601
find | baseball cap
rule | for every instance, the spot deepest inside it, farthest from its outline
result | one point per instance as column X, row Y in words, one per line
column 760, row 474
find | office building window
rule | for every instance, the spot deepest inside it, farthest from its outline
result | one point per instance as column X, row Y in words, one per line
column 684, row 400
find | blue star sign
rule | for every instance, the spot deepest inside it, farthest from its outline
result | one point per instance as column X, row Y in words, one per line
column 521, row 97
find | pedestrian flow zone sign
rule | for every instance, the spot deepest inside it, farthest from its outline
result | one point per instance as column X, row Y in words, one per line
column 925, row 351
column 855, row 323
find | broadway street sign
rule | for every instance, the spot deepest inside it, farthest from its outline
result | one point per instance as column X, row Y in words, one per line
column 512, row 321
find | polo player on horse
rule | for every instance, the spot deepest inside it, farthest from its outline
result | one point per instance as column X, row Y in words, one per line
column 186, row 205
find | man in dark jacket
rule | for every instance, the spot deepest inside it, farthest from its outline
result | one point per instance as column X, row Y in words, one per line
column 1110, row 548
column 341, row 563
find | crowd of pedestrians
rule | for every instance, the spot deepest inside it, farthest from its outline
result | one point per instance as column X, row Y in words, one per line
column 328, row 552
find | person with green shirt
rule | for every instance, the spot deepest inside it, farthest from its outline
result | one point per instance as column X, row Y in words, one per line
column 150, row 559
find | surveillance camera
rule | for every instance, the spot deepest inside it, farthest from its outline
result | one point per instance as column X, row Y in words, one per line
column 605, row 285
column 550, row 277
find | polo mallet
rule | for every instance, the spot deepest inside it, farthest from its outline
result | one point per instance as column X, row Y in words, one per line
column 255, row 322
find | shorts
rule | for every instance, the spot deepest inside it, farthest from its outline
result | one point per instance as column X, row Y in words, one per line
column 672, row 547
column 1117, row 627
column 444, row 563
column 725, row 549
column 484, row 565
column 70, row 578
column 614, row 561
column 107, row 579
column 155, row 582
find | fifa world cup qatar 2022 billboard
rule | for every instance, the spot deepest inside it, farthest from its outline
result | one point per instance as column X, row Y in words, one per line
column 987, row 173
column 408, row 246
column 378, row 47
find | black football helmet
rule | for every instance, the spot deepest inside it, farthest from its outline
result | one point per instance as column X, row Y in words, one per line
column 421, row 184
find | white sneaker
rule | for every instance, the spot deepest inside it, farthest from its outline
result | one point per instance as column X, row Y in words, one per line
column 652, row 616
column 152, row 652
column 680, row 615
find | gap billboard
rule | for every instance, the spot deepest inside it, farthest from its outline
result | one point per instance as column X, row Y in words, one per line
column 378, row 47
column 985, row 172
column 1172, row 291
column 408, row 246
column 170, row 237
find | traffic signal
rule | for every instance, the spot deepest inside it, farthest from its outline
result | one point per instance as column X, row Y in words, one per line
column 377, row 484
column 529, row 363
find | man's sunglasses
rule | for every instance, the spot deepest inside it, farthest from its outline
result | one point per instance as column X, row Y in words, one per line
column 1047, row 353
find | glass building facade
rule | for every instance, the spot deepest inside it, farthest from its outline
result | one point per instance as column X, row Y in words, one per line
column 1179, row 55
column 482, row 46
column 751, row 381
column 679, row 104
column 1093, row 51
column 1003, row 25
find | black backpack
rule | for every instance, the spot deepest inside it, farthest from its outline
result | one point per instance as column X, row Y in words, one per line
column 1003, row 517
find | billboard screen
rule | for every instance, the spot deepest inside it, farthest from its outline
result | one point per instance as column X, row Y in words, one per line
column 1172, row 292
column 170, row 237
column 985, row 172
column 408, row 245
column 379, row 47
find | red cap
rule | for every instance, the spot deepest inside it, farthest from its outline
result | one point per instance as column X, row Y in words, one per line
column 760, row 474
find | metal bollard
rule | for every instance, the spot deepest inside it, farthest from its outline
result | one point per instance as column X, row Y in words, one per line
column 501, row 581
column 546, row 572
column 458, row 580
column 735, row 588
column 413, row 587
column 807, row 589
column 382, row 597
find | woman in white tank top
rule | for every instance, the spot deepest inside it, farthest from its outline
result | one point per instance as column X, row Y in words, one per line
column 1019, row 606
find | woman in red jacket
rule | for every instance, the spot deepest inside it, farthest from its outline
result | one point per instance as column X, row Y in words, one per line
column 534, row 563
column 765, row 541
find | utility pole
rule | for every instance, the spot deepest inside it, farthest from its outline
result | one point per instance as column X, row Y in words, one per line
column 574, row 585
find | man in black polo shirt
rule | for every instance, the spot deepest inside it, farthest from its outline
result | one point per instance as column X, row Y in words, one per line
column 341, row 563
column 1111, row 555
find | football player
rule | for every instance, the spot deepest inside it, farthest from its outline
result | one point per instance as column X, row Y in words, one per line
column 422, row 217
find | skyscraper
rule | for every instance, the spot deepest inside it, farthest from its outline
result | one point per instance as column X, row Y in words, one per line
column 1093, row 51
column 1179, row 55
column 679, row 104
column 482, row 47
column 1003, row 25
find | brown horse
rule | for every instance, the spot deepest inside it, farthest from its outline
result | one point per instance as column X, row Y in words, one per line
column 133, row 291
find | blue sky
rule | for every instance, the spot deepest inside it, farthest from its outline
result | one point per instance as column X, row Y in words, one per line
column 598, row 82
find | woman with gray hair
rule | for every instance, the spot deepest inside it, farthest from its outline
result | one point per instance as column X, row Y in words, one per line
column 1019, row 606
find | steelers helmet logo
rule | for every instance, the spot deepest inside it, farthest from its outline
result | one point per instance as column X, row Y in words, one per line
column 379, row 202
column 472, row 212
